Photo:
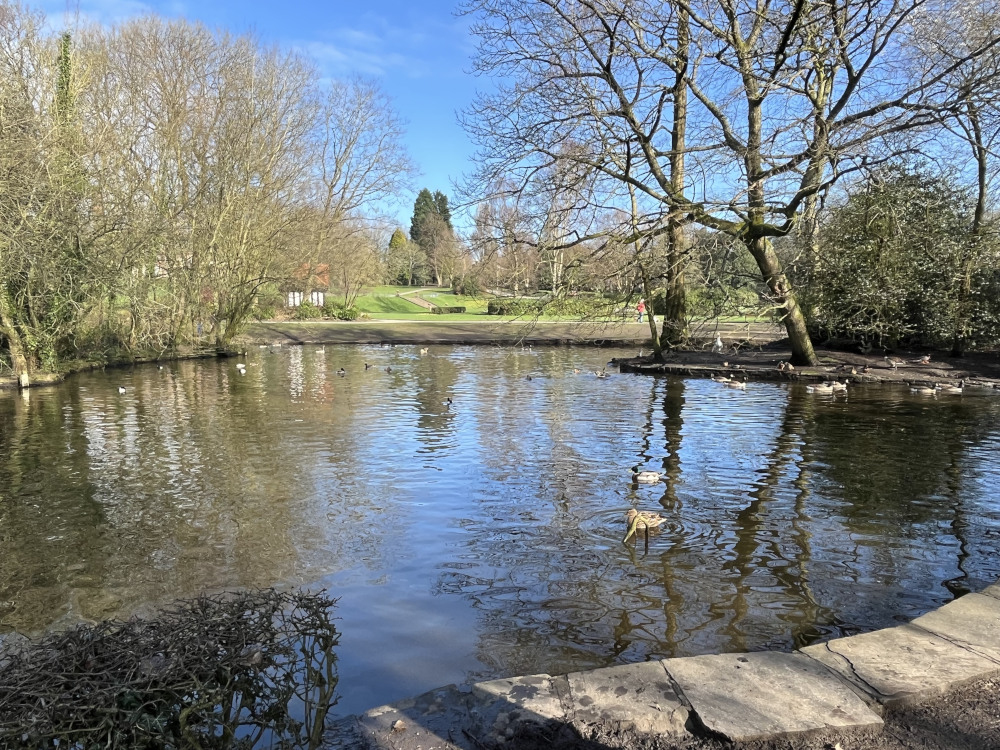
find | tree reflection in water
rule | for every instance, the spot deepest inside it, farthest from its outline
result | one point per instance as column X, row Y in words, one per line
column 483, row 538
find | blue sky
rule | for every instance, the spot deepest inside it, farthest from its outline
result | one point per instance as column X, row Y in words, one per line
column 419, row 52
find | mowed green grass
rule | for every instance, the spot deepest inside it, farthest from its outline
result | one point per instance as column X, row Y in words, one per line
column 392, row 302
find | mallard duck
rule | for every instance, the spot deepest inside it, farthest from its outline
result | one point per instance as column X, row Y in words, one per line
column 643, row 519
column 955, row 390
column 646, row 477
column 820, row 388
column 923, row 390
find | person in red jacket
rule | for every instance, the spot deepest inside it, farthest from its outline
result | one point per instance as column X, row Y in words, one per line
column 641, row 309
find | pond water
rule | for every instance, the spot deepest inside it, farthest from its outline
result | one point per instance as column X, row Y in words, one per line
column 483, row 538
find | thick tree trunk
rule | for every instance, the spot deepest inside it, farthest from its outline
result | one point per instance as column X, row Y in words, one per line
column 774, row 276
column 674, row 332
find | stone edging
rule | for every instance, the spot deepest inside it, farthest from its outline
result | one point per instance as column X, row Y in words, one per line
column 837, row 686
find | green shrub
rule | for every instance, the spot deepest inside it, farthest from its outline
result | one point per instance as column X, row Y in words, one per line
column 336, row 310
column 308, row 311
column 446, row 310
column 467, row 286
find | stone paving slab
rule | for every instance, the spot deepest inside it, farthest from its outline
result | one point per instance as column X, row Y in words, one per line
column 632, row 697
column 993, row 591
column 973, row 622
column 499, row 707
column 750, row 696
column 902, row 664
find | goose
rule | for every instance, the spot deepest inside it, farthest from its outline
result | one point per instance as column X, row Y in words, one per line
column 646, row 477
column 923, row 390
column 820, row 388
column 838, row 386
column 741, row 384
column 644, row 519
column 717, row 344
column 955, row 390
column 720, row 378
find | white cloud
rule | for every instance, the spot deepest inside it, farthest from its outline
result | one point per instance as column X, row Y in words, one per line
column 374, row 46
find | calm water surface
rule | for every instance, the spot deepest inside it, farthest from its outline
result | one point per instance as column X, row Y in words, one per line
column 484, row 539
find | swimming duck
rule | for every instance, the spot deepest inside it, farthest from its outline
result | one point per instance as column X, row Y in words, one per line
column 342, row 372
column 741, row 384
column 720, row 378
column 643, row 519
column 955, row 390
column 423, row 351
column 646, row 477
column 923, row 390
column 820, row 388
column 838, row 387
column 121, row 389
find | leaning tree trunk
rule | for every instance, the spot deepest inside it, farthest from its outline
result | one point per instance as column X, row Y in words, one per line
column 18, row 357
column 774, row 276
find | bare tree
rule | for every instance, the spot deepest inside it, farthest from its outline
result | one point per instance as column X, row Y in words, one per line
column 783, row 99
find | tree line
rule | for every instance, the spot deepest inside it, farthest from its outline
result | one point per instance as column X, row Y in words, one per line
column 156, row 175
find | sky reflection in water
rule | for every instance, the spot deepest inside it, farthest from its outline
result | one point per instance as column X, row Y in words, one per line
column 483, row 539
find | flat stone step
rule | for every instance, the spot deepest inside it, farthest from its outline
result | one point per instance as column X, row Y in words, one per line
column 632, row 698
column 766, row 694
column 902, row 664
column 972, row 622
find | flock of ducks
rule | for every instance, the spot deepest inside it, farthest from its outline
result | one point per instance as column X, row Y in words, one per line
column 933, row 390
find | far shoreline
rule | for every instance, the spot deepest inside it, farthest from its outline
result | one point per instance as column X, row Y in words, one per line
column 752, row 351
